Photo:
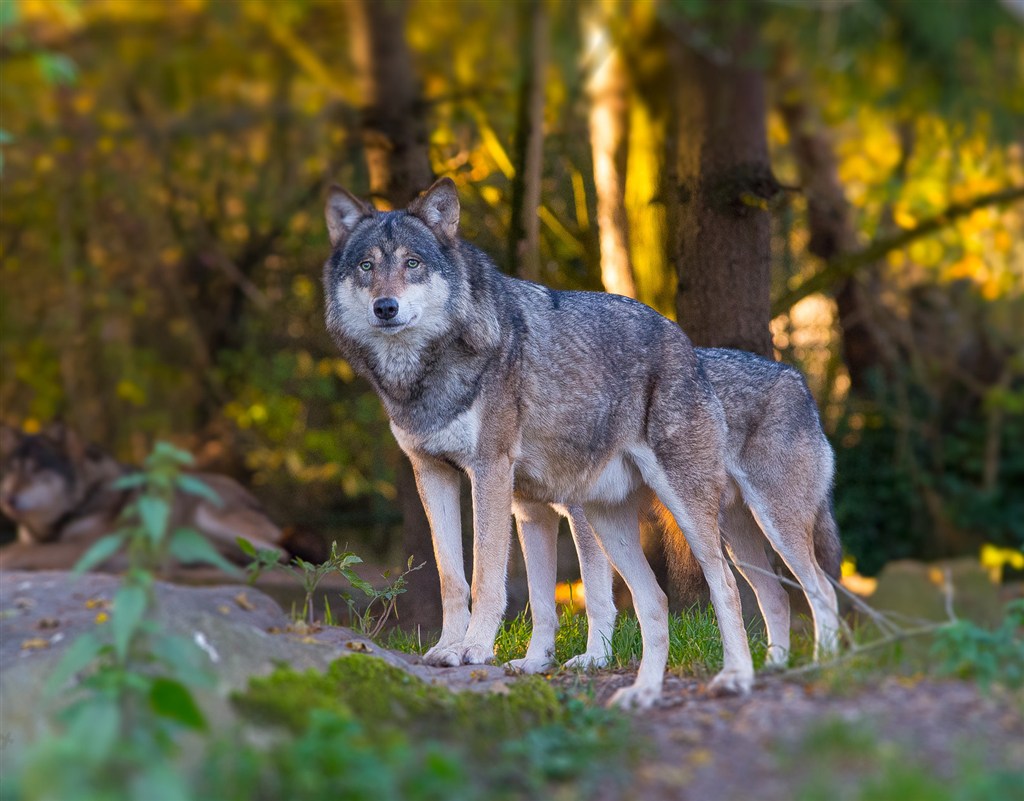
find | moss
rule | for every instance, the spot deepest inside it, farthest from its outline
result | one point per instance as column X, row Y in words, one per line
column 385, row 699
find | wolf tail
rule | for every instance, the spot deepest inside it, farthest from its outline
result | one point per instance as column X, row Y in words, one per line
column 686, row 584
column 828, row 550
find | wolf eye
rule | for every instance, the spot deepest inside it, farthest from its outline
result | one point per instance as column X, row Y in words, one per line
column 366, row 266
column 412, row 264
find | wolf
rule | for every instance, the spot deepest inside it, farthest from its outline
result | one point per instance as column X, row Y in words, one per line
column 544, row 398
column 61, row 494
column 779, row 494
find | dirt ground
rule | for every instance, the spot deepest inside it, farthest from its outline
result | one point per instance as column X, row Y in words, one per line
column 776, row 742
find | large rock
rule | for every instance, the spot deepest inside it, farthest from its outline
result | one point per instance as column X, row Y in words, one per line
column 242, row 631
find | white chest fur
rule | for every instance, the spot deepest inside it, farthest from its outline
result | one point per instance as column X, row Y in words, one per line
column 457, row 440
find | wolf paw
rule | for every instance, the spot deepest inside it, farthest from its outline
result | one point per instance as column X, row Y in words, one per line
column 635, row 697
column 477, row 654
column 777, row 658
column 732, row 682
column 587, row 661
column 444, row 656
column 537, row 664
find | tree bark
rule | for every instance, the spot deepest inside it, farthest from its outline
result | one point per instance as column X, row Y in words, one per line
column 608, row 90
column 398, row 160
column 393, row 112
column 723, row 182
column 524, row 230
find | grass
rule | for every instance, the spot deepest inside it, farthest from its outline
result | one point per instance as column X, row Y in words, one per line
column 695, row 646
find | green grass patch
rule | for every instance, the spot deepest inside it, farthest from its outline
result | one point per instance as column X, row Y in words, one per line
column 695, row 646
column 364, row 729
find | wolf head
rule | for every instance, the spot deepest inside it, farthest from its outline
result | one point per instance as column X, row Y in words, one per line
column 44, row 477
column 392, row 274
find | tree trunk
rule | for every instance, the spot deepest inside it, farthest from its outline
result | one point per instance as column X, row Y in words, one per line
column 398, row 160
column 393, row 122
column 524, row 230
column 722, row 248
column 608, row 90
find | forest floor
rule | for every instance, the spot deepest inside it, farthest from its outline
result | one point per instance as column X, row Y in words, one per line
column 887, row 737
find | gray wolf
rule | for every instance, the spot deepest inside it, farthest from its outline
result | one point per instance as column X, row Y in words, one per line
column 547, row 400
column 779, row 492
column 60, row 493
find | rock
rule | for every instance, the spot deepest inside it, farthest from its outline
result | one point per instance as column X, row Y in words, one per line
column 243, row 632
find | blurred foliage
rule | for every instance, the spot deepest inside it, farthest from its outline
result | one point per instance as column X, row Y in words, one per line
column 161, row 242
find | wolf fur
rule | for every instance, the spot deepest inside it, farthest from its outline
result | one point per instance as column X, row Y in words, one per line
column 547, row 400
column 779, row 491
column 60, row 493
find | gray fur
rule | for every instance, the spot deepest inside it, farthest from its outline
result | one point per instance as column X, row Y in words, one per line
column 570, row 398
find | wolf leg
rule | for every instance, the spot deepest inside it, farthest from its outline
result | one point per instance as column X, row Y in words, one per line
column 492, row 534
column 692, row 491
column 597, row 586
column 745, row 543
column 617, row 528
column 439, row 490
column 791, row 536
column 538, row 534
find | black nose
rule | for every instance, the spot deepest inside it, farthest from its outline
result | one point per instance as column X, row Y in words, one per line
column 385, row 308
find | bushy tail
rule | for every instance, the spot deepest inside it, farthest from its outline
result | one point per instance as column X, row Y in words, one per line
column 686, row 585
column 828, row 550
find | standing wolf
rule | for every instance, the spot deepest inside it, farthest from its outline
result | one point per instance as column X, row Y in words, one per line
column 780, row 468
column 544, row 398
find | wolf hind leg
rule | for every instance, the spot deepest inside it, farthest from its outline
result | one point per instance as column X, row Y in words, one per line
column 617, row 528
column 745, row 544
column 596, row 572
column 692, row 492
column 537, row 525
column 791, row 535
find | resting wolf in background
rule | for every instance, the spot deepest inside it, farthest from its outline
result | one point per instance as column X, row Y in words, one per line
column 543, row 398
column 60, row 494
column 780, row 469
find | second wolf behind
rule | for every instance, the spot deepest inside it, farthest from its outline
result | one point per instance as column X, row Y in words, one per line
column 780, row 467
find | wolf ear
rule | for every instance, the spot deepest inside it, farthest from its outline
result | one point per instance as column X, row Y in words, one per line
column 10, row 437
column 438, row 207
column 343, row 212
column 67, row 438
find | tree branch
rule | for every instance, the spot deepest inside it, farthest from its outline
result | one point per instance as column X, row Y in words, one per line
column 846, row 265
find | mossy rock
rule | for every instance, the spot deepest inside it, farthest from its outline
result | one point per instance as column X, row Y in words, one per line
column 384, row 699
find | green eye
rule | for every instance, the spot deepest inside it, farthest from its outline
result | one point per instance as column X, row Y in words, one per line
column 366, row 266
column 412, row 264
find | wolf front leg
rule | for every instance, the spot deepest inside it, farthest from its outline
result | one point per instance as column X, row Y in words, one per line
column 492, row 516
column 438, row 485
column 596, row 572
column 538, row 534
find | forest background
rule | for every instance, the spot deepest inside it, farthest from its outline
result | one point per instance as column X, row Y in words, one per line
column 836, row 184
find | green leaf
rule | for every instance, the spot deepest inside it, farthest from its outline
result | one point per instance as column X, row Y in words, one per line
column 184, row 659
column 78, row 655
column 188, row 545
column 94, row 723
column 247, row 547
column 57, row 68
column 9, row 13
column 129, row 481
column 172, row 700
column 164, row 452
column 154, row 513
column 129, row 607
column 100, row 552
column 196, row 486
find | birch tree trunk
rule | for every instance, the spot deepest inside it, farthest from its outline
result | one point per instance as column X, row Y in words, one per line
column 524, row 230
column 608, row 91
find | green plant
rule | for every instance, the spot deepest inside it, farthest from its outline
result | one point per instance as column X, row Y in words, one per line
column 115, row 737
column 368, row 621
column 988, row 656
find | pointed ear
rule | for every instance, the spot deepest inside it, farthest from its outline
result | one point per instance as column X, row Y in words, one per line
column 10, row 437
column 343, row 212
column 438, row 207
